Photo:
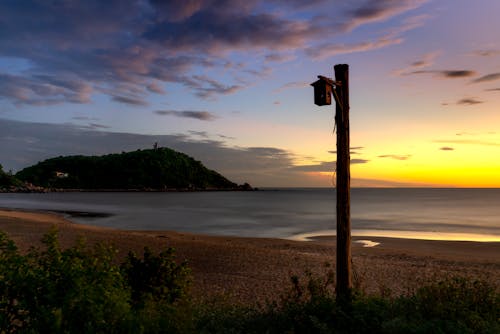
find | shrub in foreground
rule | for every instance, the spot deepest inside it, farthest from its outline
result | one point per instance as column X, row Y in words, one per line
column 455, row 305
column 83, row 290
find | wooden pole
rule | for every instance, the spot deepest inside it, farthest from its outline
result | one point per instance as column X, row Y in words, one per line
column 344, row 276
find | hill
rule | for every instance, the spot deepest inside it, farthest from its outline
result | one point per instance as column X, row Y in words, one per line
column 152, row 169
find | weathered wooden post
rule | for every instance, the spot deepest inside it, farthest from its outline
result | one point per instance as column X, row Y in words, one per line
column 344, row 275
column 340, row 90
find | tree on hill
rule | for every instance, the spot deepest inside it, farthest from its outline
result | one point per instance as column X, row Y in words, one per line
column 7, row 180
column 158, row 169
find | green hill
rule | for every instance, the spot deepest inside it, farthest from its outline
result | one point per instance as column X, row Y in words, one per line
column 154, row 169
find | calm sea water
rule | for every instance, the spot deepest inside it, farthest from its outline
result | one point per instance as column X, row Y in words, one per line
column 462, row 214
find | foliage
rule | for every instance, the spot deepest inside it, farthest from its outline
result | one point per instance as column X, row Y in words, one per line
column 159, row 169
column 81, row 290
column 156, row 278
column 456, row 305
column 7, row 180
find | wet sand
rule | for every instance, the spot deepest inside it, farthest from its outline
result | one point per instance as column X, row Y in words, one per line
column 258, row 269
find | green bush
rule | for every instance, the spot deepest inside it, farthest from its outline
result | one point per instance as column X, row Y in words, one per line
column 156, row 278
column 83, row 289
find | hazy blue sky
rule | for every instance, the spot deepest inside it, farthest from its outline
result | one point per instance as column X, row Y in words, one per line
column 228, row 83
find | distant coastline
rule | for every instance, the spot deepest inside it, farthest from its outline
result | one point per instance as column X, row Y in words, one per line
column 37, row 189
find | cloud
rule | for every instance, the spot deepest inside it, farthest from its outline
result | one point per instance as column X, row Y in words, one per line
column 279, row 57
column 199, row 115
column 395, row 156
column 424, row 61
column 493, row 90
column 324, row 166
column 23, row 144
column 226, row 137
column 43, row 90
column 353, row 150
column 486, row 53
column 447, row 74
column 468, row 142
column 291, row 85
column 130, row 49
column 380, row 10
column 155, row 87
column 330, row 50
column 469, row 101
column 85, row 118
column 93, row 126
column 206, row 88
column 446, row 148
column 129, row 100
column 393, row 37
column 487, row 78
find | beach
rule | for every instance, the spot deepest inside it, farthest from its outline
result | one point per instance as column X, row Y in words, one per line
column 249, row 270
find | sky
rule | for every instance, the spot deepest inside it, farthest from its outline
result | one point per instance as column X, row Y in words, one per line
column 228, row 82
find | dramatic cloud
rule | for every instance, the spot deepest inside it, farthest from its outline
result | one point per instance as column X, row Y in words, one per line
column 469, row 101
column 395, row 156
column 488, row 77
column 130, row 49
column 446, row 148
column 199, row 115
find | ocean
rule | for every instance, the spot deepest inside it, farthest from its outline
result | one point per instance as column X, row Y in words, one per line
column 289, row 213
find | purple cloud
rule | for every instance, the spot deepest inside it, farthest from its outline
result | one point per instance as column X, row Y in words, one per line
column 127, row 49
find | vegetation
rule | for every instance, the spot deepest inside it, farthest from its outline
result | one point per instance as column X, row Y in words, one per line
column 7, row 180
column 85, row 290
column 155, row 169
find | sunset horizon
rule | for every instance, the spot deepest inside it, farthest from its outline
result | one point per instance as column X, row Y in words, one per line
column 228, row 83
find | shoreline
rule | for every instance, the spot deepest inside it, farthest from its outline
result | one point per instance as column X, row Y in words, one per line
column 256, row 269
column 357, row 234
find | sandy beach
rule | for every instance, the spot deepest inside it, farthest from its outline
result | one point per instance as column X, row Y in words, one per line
column 253, row 269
